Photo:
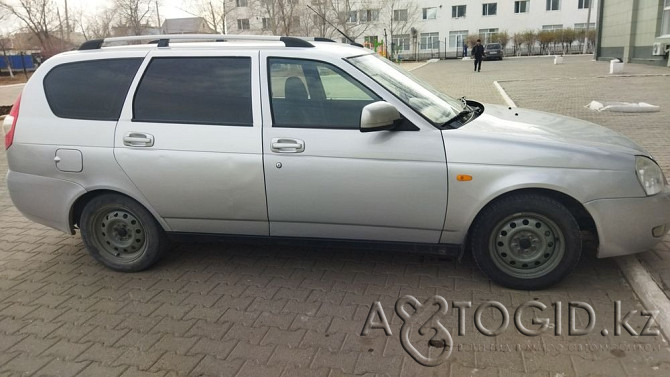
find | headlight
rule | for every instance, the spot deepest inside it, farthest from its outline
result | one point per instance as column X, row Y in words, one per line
column 649, row 174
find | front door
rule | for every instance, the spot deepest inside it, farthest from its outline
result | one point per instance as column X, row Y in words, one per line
column 326, row 179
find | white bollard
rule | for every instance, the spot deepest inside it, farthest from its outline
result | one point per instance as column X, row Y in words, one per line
column 616, row 66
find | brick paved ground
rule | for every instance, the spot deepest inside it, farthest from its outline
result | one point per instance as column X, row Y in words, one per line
column 268, row 310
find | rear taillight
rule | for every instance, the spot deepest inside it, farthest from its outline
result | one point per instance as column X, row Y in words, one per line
column 9, row 124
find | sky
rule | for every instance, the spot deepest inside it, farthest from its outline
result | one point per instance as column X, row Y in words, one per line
column 168, row 9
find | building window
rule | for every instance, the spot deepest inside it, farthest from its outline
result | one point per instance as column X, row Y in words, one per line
column 521, row 6
column 665, row 27
column 353, row 17
column 456, row 38
column 267, row 23
column 582, row 26
column 486, row 34
column 317, row 20
column 489, row 9
column 295, row 22
column 458, row 11
column 583, row 4
column 368, row 15
column 241, row 3
column 552, row 27
column 553, row 4
column 400, row 42
column 242, row 24
column 400, row 15
column 429, row 13
column 430, row 41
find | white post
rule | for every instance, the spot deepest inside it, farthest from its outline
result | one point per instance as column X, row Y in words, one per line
column 588, row 23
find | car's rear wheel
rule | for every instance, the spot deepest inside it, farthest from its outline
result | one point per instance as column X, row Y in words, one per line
column 121, row 234
column 526, row 241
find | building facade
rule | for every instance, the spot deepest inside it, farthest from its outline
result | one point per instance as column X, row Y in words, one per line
column 636, row 31
column 428, row 28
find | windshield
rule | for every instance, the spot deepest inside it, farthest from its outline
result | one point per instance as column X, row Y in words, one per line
column 494, row 46
column 435, row 106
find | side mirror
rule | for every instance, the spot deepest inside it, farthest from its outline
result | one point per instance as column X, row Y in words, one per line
column 379, row 116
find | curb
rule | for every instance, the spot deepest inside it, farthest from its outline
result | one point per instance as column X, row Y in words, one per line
column 651, row 295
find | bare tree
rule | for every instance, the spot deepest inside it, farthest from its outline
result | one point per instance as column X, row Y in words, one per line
column 346, row 16
column 398, row 18
column 39, row 17
column 98, row 26
column 284, row 16
column 214, row 12
column 134, row 14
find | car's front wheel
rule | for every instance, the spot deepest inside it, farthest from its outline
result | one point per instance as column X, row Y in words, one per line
column 121, row 234
column 526, row 241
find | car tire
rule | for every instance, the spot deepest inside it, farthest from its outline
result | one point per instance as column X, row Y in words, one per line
column 121, row 234
column 526, row 241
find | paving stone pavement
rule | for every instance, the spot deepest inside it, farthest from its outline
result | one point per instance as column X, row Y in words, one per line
column 255, row 309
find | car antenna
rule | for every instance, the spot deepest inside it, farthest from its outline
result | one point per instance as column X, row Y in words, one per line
column 334, row 27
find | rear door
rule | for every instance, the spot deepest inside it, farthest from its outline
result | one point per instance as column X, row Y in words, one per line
column 189, row 138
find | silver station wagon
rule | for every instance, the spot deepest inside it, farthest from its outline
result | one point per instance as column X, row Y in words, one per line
column 299, row 138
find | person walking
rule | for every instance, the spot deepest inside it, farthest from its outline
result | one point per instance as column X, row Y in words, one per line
column 478, row 53
column 465, row 49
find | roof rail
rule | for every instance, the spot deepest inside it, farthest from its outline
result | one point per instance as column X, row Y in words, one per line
column 164, row 40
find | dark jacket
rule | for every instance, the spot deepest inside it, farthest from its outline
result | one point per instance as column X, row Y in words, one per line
column 478, row 52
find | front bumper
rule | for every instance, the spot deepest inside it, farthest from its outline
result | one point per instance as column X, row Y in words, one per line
column 625, row 225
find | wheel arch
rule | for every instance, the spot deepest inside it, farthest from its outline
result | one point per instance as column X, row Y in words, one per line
column 581, row 214
column 79, row 204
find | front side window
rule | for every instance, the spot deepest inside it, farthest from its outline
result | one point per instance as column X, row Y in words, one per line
column 400, row 15
column 429, row 13
column 312, row 94
column 200, row 90
column 521, row 6
column 458, row 11
column 553, row 4
column 489, row 9
column 92, row 90
column 433, row 105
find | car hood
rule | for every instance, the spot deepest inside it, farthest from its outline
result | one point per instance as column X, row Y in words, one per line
column 538, row 126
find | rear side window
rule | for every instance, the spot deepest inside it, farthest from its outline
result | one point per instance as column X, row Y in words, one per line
column 93, row 89
column 202, row 90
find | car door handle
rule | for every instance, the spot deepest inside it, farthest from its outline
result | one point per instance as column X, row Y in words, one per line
column 136, row 139
column 284, row 145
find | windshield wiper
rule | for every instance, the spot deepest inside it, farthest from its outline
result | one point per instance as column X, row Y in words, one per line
column 467, row 111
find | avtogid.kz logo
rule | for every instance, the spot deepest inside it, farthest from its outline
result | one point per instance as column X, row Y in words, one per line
column 425, row 318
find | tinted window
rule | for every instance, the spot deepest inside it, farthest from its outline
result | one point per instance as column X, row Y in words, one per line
column 93, row 89
column 196, row 90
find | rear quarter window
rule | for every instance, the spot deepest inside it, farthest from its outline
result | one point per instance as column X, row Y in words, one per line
column 92, row 89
